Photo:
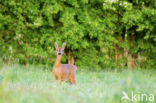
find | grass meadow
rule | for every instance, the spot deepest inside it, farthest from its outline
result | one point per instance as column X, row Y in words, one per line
column 34, row 84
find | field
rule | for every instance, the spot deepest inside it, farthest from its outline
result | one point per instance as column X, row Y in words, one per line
column 20, row 84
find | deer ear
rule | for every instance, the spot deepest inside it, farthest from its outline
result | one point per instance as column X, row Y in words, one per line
column 56, row 45
column 64, row 45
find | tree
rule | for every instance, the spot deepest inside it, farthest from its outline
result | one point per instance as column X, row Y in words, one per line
column 99, row 34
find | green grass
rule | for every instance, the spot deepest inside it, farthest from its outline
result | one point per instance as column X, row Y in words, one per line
column 19, row 84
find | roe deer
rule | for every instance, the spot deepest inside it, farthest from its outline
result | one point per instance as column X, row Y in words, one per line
column 63, row 72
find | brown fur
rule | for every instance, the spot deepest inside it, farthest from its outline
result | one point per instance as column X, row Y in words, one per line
column 63, row 72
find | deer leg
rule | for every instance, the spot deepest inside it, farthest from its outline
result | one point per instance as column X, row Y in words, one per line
column 69, row 82
column 54, row 79
column 73, row 80
column 60, row 81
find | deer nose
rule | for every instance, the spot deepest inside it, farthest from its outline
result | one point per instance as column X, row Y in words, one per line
column 59, row 53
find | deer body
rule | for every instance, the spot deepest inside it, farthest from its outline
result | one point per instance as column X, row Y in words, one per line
column 63, row 72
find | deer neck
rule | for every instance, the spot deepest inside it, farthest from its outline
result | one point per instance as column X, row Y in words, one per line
column 58, row 61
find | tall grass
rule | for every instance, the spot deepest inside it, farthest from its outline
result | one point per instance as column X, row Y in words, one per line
column 20, row 84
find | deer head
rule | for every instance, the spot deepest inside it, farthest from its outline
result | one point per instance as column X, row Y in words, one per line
column 59, row 51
